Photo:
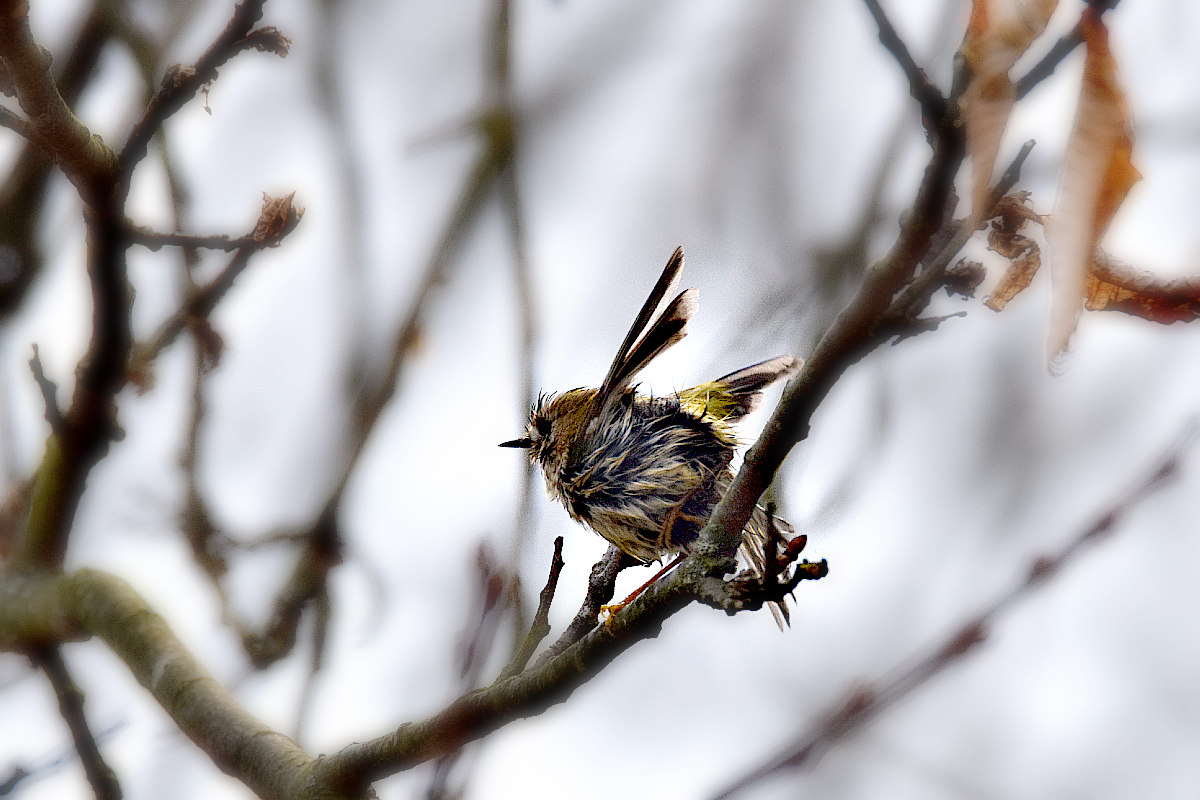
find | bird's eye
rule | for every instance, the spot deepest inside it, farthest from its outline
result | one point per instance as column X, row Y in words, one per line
column 543, row 426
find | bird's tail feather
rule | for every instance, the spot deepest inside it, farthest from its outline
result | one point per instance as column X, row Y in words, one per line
column 753, row 549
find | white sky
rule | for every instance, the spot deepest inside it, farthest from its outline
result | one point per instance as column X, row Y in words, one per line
column 748, row 132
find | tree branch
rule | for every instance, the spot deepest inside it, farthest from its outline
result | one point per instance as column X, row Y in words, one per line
column 180, row 84
column 70, row 704
column 933, row 105
column 1061, row 49
column 867, row 703
column 540, row 628
column 601, row 586
column 49, row 392
column 38, row 609
column 855, row 332
column 155, row 240
column 84, row 158
column 18, row 125
column 278, row 218
column 478, row 713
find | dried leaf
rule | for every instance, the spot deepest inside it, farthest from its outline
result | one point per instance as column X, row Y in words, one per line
column 277, row 219
column 1112, row 286
column 267, row 40
column 999, row 33
column 1024, row 254
column 1021, row 269
column 964, row 277
column 1096, row 178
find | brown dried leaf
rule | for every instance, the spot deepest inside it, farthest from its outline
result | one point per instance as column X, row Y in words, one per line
column 1012, row 213
column 1096, row 178
column 999, row 33
column 1014, row 210
column 1112, row 286
column 277, row 219
column 267, row 40
column 964, row 277
column 1023, row 265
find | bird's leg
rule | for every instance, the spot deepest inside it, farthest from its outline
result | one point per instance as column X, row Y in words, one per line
column 607, row 612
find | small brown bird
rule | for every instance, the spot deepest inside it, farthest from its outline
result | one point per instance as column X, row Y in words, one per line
column 646, row 472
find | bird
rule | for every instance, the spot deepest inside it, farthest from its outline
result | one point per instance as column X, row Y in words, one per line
column 645, row 471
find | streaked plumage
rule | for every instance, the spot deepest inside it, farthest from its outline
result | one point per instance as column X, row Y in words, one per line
column 646, row 472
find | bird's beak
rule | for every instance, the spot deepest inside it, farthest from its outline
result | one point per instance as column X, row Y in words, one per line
column 524, row 441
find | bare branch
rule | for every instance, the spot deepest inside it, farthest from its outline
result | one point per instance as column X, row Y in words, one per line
column 914, row 298
column 601, row 586
column 1061, row 49
column 18, row 125
column 83, row 157
column 180, row 84
column 1109, row 269
column 308, row 582
column 279, row 217
column 23, row 189
column 854, row 333
column 1045, row 68
column 37, row 608
column 540, row 628
column 70, row 704
column 933, row 105
column 49, row 393
column 867, row 703
column 154, row 240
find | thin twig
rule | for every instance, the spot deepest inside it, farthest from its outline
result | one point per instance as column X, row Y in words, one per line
column 278, row 218
column 308, row 581
column 933, row 105
column 867, row 703
column 1045, row 68
column 496, row 589
column 322, row 619
column 154, row 240
column 540, row 628
column 917, row 294
column 180, row 84
column 49, row 392
column 18, row 125
column 70, row 705
column 601, row 587
column 1061, row 49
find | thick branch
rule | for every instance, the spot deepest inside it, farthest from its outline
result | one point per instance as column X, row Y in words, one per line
column 856, row 331
column 46, row 609
column 481, row 712
column 83, row 157
column 90, row 424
